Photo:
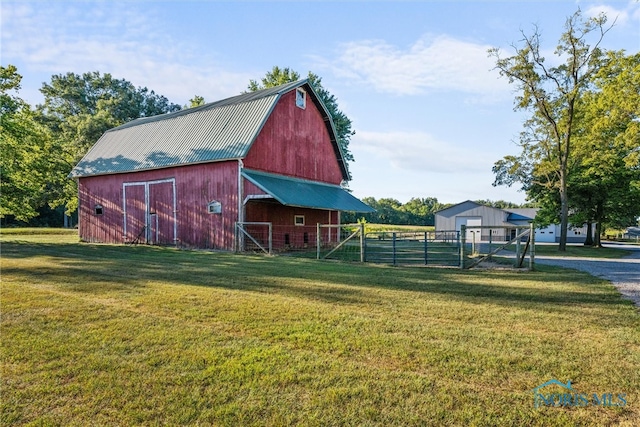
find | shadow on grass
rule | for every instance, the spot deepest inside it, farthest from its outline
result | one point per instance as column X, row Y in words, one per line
column 103, row 268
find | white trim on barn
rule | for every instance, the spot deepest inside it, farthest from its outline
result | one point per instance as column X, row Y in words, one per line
column 150, row 218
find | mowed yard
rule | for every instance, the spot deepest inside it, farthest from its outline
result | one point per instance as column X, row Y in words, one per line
column 137, row 335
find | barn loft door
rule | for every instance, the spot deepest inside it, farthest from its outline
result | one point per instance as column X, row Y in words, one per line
column 150, row 212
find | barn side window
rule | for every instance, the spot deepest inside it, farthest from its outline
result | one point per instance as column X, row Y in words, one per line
column 98, row 210
column 214, row 207
column 298, row 220
column 301, row 98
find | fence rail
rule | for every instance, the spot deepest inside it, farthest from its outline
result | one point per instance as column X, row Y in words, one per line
column 413, row 248
column 477, row 251
column 254, row 236
column 352, row 243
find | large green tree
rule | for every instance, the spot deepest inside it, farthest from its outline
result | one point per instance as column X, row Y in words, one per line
column 78, row 109
column 551, row 93
column 28, row 154
column 604, row 183
column 278, row 76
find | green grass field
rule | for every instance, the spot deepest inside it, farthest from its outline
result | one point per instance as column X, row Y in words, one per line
column 138, row 335
column 581, row 251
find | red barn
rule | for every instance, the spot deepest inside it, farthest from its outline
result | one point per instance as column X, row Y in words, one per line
column 186, row 178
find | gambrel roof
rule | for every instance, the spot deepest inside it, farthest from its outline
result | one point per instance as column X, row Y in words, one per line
column 221, row 130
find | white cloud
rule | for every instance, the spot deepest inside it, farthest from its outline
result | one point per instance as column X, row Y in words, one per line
column 124, row 41
column 419, row 151
column 621, row 16
column 430, row 64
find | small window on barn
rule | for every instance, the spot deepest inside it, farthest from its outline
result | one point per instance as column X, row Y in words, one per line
column 301, row 98
column 298, row 220
column 98, row 210
column 214, row 207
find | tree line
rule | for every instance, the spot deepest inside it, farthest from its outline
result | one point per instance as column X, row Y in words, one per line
column 417, row 211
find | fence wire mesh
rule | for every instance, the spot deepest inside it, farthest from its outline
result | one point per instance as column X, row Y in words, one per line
column 353, row 243
column 413, row 248
column 340, row 242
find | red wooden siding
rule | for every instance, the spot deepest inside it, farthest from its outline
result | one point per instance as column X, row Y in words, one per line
column 295, row 142
column 282, row 219
column 196, row 186
column 280, row 215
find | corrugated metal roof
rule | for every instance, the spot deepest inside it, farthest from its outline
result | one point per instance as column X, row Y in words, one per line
column 456, row 209
column 217, row 131
column 304, row 193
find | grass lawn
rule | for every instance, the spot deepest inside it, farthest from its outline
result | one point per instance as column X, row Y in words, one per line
column 376, row 228
column 39, row 235
column 130, row 335
column 580, row 251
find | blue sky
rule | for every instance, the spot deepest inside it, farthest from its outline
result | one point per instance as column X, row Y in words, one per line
column 431, row 116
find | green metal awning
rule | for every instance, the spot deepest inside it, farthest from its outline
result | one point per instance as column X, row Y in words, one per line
column 307, row 194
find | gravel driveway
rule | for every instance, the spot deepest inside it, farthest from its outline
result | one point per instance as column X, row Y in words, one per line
column 624, row 273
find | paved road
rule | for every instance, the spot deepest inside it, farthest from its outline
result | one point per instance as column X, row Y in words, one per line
column 624, row 273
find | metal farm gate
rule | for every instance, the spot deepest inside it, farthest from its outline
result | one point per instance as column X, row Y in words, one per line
column 391, row 247
column 254, row 237
column 413, row 248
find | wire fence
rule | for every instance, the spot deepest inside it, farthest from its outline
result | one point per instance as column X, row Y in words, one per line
column 405, row 248
column 513, row 245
